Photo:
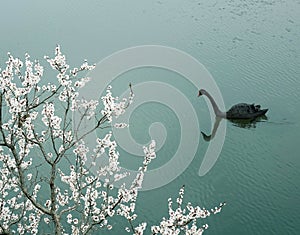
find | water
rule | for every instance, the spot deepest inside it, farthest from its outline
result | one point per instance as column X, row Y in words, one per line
column 252, row 51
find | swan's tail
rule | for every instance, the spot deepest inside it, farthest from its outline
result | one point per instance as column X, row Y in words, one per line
column 263, row 111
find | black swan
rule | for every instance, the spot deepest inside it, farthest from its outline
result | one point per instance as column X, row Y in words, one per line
column 238, row 111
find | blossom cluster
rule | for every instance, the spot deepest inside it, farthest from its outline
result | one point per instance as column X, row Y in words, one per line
column 113, row 107
column 184, row 219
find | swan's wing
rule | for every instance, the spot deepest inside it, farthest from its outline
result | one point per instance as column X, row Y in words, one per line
column 241, row 108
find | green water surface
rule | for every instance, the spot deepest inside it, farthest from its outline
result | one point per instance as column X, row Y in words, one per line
column 252, row 50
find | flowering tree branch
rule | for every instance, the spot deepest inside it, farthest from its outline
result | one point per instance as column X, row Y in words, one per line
column 184, row 219
column 45, row 176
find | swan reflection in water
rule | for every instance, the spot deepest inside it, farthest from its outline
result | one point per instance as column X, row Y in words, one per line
column 242, row 123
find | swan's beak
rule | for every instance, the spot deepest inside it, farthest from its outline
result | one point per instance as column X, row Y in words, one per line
column 199, row 94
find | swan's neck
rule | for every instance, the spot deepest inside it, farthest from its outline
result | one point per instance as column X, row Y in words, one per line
column 217, row 111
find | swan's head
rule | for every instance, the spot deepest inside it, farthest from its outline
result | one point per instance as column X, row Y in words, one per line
column 201, row 92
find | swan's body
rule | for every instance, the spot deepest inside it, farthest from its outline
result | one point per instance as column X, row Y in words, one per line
column 238, row 111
